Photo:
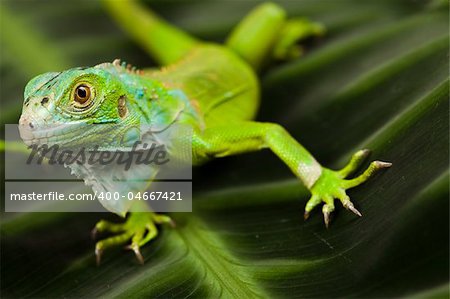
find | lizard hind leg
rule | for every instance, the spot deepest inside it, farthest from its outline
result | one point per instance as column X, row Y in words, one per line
column 265, row 34
column 254, row 36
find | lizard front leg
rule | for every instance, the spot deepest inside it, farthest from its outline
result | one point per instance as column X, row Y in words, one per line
column 139, row 228
column 325, row 184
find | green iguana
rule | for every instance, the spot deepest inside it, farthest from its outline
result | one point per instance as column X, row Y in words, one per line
column 210, row 87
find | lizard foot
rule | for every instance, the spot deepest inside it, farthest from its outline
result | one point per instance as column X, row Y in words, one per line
column 294, row 36
column 332, row 184
column 140, row 228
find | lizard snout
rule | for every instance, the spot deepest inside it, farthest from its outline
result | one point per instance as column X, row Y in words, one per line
column 26, row 128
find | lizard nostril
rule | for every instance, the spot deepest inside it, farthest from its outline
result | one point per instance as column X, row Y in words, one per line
column 31, row 125
column 44, row 101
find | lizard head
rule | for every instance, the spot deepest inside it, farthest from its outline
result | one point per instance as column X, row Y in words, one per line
column 66, row 106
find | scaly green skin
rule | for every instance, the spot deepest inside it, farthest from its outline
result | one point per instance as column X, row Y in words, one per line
column 210, row 87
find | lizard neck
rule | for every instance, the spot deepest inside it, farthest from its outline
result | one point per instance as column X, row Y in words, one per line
column 157, row 104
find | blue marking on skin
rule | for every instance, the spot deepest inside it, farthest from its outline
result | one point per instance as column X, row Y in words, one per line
column 140, row 93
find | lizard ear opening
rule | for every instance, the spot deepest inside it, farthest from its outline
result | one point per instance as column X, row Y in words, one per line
column 122, row 108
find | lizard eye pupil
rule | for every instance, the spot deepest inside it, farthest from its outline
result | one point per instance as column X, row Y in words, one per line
column 82, row 94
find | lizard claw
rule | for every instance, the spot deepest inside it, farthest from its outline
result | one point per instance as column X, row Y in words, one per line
column 326, row 210
column 172, row 223
column 306, row 215
column 137, row 252
column 98, row 255
column 326, row 219
column 94, row 232
column 349, row 206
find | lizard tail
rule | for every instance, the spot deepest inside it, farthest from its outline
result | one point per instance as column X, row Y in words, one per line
column 164, row 42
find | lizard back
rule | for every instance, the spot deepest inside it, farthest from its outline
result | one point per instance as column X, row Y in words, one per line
column 219, row 84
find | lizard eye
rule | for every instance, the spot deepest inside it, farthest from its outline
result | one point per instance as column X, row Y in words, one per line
column 82, row 94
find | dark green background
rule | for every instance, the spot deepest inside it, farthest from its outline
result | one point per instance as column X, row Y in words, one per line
column 379, row 79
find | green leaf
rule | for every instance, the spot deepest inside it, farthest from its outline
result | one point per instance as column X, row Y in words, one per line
column 379, row 79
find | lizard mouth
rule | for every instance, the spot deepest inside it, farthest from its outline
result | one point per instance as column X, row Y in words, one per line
column 55, row 134
column 72, row 135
